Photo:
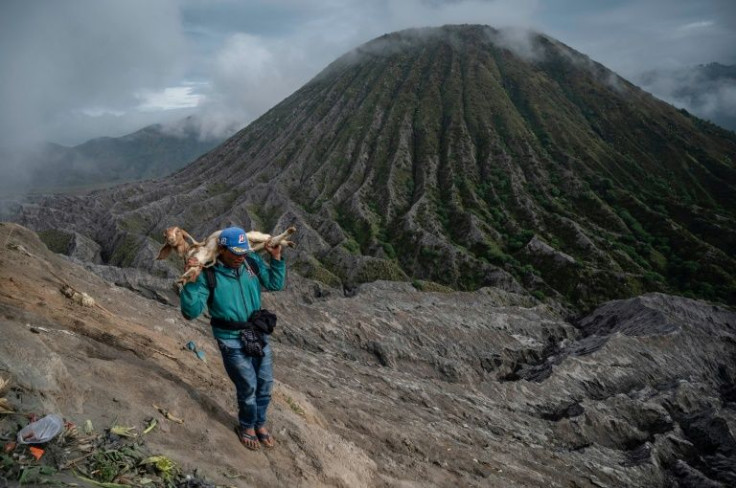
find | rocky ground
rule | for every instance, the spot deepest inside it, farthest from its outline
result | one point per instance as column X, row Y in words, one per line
column 389, row 386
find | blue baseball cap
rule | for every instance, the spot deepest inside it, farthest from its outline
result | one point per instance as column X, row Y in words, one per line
column 235, row 240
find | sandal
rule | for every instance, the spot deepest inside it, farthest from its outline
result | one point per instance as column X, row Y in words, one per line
column 266, row 439
column 248, row 440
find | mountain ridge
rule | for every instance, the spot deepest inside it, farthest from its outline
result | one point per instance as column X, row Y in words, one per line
column 450, row 158
column 151, row 152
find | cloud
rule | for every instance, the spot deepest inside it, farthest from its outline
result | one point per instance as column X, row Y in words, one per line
column 109, row 60
column 60, row 58
column 251, row 72
column 635, row 36
column 702, row 24
column 169, row 98
column 249, row 75
column 706, row 91
column 92, row 64
column 496, row 13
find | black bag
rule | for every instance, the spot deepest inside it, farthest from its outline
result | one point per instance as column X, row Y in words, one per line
column 260, row 322
column 263, row 320
column 252, row 342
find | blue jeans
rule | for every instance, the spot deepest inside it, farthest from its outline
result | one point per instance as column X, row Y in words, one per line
column 253, row 378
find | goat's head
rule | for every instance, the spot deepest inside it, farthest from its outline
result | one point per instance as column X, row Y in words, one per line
column 173, row 240
column 173, row 236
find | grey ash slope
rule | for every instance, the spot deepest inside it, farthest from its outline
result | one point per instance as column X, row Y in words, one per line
column 452, row 155
column 392, row 387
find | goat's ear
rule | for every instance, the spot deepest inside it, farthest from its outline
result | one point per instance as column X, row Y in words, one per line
column 164, row 252
column 186, row 234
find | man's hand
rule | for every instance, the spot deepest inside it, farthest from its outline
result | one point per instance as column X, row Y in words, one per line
column 192, row 263
column 274, row 251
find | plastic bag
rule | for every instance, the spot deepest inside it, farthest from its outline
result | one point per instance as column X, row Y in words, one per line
column 42, row 430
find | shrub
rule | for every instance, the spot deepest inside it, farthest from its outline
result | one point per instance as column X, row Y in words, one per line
column 56, row 240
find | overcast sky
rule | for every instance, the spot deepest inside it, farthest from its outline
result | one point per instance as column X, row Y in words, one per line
column 77, row 69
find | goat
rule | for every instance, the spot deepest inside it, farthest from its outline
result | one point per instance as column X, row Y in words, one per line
column 205, row 253
column 175, row 240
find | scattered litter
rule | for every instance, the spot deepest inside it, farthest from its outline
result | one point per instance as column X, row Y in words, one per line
column 232, row 473
column 80, row 298
column 109, row 460
column 100, row 484
column 164, row 354
column 123, row 431
column 168, row 414
column 151, row 425
column 20, row 248
column 36, row 452
column 88, row 428
column 164, row 466
column 42, row 430
column 37, row 330
column 193, row 347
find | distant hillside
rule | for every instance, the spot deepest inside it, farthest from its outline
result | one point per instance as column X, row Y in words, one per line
column 461, row 156
column 707, row 90
column 151, row 152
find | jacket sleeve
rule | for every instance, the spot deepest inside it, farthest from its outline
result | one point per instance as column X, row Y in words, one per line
column 193, row 298
column 271, row 276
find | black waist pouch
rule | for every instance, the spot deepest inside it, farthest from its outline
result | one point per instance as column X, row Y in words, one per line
column 251, row 332
column 263, row 320
column 252, row 342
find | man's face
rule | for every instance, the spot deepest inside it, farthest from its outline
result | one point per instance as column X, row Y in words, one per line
column 231, row 260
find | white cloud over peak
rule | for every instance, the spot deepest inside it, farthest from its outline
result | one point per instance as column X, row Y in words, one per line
column 169, row 98
column 701, row 24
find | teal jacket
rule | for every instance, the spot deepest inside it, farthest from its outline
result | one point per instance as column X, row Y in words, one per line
column 237, row 294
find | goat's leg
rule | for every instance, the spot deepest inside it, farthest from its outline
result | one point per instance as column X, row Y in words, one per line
column 189, row 276
column 257, row 246
column 277, row 240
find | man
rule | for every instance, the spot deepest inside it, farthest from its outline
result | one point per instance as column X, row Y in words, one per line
column 235, row 296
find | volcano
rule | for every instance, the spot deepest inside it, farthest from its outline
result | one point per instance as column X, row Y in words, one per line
column 460, row 157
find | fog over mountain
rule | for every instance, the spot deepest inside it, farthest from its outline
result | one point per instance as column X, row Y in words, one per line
column 152, row 152
column 708, row 91
column 85, row 69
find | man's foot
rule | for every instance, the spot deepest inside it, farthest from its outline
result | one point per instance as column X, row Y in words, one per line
column 248, row 438
column 265, row 438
